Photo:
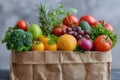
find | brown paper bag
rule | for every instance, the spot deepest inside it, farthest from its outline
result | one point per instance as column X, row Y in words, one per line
column 60, row 65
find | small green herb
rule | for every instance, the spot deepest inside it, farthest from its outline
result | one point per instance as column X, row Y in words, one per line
column 79, row 49
column 56, row 15
column 73, row 10
column 52, row 39
column 52, row 42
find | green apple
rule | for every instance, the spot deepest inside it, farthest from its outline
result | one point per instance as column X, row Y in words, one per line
column 35, row 30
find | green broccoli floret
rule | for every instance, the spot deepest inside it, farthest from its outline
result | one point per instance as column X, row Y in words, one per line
column 19, row 40
column 7, row 35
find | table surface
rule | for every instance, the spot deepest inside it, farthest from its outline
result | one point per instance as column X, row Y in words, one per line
column 4, row 74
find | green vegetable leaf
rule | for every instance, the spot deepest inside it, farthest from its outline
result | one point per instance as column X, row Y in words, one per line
column 52, row 39
column 73, row 10
column 98, row 30
column 79, row 49
column 56, row 15
column 51, row 42
column 60, row 6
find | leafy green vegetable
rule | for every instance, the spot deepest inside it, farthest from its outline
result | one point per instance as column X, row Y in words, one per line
column 98, row 30
column 79, row 49
column 18, row 40
column 52, row 39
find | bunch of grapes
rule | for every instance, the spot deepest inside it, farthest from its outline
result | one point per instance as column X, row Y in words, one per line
column 77, row 32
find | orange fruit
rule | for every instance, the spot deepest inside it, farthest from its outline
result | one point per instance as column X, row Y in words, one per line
column 67, row 42
column 37, row 46
column 51, row 47
column 43, row 39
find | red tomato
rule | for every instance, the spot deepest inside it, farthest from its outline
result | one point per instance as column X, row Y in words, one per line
column 71, row 21
column 95, row 24
column 88, row 18
column 59, row 29
column 21, row 24
column 102, row 43
column 106, row 25
column 62, row 26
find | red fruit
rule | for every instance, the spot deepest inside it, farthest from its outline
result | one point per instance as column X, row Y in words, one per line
column 71, row 21
column 95, row 24
column 57, row 31
column 102, row 43
column 21, row 24
column 89, row 19
column 106, row 25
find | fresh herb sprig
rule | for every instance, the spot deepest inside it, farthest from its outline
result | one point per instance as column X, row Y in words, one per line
column 79, row 49
column 56, row 15
column 98, row 30
column 52, row 39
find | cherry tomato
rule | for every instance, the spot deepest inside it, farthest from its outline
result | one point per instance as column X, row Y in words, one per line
column 106, row 25
column 95, row 24
column 102, row 43
column 21, row 24
column 71, row 21
column 88, row 18
column 58, row 30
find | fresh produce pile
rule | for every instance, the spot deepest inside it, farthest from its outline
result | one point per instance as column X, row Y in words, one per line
column 59, row 29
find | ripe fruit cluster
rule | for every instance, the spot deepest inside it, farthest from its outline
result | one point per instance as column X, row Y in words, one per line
column 77, row 32
column 67, row 32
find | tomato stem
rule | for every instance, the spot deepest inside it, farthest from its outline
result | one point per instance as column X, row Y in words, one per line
column 103, row 23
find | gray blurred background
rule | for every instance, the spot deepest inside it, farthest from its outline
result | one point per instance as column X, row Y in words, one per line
column 13, row 10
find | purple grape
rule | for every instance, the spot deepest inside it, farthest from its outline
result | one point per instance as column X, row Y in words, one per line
column 68, row 29
column 75, row 34
column 78, row 28
column 79, row 37
column 81, row 32
column 87, row 36
column 71, row 32
column 86, row 32
column 74, row 29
